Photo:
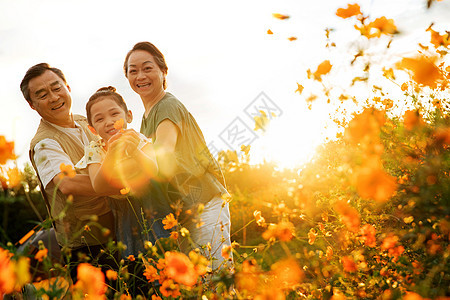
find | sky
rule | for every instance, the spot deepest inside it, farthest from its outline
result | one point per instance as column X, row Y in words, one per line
column 221, row 60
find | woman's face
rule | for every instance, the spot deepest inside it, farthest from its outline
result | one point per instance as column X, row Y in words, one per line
column 144, row 74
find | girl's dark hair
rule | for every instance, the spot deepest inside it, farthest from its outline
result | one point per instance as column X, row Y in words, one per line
column 101, row 93
column 157, row 55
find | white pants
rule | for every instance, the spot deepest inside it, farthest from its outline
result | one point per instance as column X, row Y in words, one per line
column 215, row 231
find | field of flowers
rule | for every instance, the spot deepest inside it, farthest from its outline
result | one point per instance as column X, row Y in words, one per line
column 367, row 218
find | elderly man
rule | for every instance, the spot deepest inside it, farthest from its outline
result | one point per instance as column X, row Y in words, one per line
column 58, row 142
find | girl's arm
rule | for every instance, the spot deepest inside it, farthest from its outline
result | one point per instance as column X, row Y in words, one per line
column 101, row 182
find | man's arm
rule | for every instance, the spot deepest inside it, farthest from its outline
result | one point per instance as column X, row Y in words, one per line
column 48, row 156
column 80, row 185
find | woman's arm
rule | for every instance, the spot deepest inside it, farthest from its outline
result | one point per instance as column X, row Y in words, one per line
column 165, row 141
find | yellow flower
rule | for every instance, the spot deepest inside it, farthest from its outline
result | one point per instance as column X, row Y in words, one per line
column 66, row 170
column 350, row 11
column 280, row 16
column 125, row 191
column 41, row 254
column 111, row 275
column 119, row 124
column 6, row 150
column 169, row 221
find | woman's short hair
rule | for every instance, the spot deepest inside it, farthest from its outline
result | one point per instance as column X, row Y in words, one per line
column 157, row 55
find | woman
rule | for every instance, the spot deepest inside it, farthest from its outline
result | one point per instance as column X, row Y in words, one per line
column 190, row 175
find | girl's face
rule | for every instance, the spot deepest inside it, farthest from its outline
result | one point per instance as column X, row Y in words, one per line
column 144, row 75
column 104, row 114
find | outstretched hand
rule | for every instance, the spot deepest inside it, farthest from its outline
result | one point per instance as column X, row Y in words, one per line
column 124, row 143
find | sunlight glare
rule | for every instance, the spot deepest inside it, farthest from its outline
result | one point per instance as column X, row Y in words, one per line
column 291, row 140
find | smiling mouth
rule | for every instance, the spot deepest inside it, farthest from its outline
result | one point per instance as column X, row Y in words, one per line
column 59, row 106
column 143, row 85
column 112, row 131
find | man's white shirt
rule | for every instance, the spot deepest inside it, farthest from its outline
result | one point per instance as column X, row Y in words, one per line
column 49, row 155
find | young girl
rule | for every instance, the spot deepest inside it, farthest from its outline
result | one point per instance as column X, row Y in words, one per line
column 122, row 160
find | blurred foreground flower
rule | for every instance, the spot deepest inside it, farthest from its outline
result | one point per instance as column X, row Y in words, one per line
column 13, row 274
column 372, row 182
column 422, row 70
column 349, row 215
column 6, row 150
column 180, row 268
column 91, row 282
column 284, row 231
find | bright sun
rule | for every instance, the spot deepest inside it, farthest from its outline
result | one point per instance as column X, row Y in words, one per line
column 291, row 140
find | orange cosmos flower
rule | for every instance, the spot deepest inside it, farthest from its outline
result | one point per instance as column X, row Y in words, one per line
column 259, row 218
column 439, row 40
column 329, row 253
column 350, row 11
column 14, row 177
column 174, row 235
column 66, row 170
column 372, row 182
column 412, row 119
column 125, row 191
column 131, row 257
column 422, row 69
column 180, row 268
column 322, row 69
column 348, row 264
column 23, row 275
column 389, row 242
column 91, row 281
column 325, row 216
column 365, row 125
column 269, row 31
column 6, row 150
column 442, row 136
column 170, row 289
column 111, row 274
column 412, row 296
column 368, row 235
column 312, row 234
column 248, row 278
column 280, row 16
column 270, row 293
column 286, row 273
column 367, row 31
column 41, row 254
column 119, row 124
column 200, row 262
column 284, row 231
column 384, row 26
column 169, row 221
column 151, row 273
column 404, row 86
column 349, row 215
column 226, row 251
column 125, row 297
column 7, row 274
column 299, row 88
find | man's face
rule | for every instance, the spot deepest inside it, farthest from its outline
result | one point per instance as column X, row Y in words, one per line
column 50, row 97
